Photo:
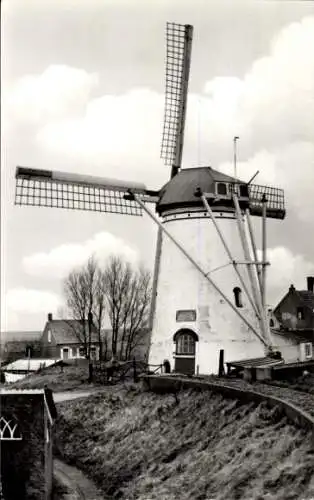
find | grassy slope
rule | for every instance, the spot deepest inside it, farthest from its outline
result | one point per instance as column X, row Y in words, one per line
column 72, row 377
column 145, row 446
column 304, row 384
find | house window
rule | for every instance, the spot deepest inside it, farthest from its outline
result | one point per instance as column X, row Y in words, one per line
column 49, row 336
column 93, row 352
column 300, row 313
column 221, row 188
column 238, row 296
column 47, row 435
column 185, row 344
column 82, row 352
column 308, row 349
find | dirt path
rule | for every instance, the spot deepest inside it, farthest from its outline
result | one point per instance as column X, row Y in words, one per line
column 60, row 397
column 76, row 482
column 79, row 486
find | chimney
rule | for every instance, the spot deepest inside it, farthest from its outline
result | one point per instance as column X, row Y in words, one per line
column 49, row 316
column 310, row 283
column 292, row 288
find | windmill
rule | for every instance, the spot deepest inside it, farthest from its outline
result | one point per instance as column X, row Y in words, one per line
column 209, row 287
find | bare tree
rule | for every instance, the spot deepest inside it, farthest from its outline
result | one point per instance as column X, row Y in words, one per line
column 85, row 300
column 121, row 291
column 128, row 295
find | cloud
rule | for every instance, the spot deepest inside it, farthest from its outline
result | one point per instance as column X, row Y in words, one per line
column 277, row 99
column 30, row 301
column 59, row 261
column 117, row 132
column 270, row 108
column 60, row 91
column 290, row 167
column 285, row 269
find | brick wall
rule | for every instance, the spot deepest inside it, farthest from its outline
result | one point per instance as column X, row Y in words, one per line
column 23, row 462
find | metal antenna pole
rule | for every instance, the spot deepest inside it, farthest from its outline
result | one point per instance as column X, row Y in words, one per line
column 198, row 267
column 264, row 252
column 235, row 155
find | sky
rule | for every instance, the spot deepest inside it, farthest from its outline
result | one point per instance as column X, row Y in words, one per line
column 83, row 91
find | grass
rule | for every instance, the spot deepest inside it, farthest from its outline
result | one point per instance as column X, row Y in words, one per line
column 70, row 378
column 301, row 383
column 144, row 446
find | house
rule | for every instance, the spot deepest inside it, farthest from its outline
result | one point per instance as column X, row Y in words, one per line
column 26, row 432
column 19, row 344
column 296, row 310
column 292, row 323
column 64, row 339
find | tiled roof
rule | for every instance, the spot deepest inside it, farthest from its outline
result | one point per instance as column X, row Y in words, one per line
column 255, row 362
column 69, row 331
column 20, row 335
column 305, row 335
column 18, row 345
column 307, row 297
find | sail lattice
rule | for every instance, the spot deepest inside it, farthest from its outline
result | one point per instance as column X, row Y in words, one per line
column 179, row 38
column 47, row 193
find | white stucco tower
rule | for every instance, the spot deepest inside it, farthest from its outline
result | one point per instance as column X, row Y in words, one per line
column 192, row 321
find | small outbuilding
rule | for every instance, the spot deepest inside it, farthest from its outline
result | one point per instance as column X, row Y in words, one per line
column 26, row 431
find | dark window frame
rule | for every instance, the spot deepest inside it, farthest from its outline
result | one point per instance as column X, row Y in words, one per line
column 308, row 346
column 238, row 297
column 226, row 189
column 185, row 344
column 300, row 313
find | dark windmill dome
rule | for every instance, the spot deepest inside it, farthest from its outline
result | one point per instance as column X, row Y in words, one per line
column 180, row 193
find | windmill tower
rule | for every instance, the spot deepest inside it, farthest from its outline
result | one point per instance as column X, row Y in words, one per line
column 209, row 286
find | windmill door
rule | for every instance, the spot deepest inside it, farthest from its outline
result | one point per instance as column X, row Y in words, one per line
column 185, row 340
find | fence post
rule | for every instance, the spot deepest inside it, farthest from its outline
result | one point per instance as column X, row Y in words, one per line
column 134, row 370
column 221, row 370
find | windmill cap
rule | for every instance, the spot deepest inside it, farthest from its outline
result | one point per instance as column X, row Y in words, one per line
column 184, row 190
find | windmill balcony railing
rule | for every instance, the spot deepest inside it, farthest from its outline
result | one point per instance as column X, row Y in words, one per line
column 275, row 201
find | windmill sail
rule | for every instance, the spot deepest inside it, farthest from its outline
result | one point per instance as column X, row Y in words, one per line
column 179, row 45
column 46, row 188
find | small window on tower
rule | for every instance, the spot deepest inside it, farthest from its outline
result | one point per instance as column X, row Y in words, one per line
column 244, row 192
column 222, row 188
column 271, row 322
column 238, row 296
column 49, row 336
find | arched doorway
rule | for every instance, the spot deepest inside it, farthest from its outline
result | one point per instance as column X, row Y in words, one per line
column 185, row 340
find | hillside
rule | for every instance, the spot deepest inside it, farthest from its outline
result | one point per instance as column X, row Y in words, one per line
column 197, row 446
